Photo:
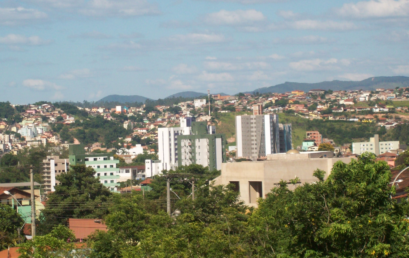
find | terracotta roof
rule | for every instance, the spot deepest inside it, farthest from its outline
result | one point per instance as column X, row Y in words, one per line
column 82, row 228
column 10, row 253
column 146, row 181
column 388, row 154
column 27, row 229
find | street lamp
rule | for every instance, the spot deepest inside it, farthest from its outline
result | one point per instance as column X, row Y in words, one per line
column 18, row 203
column 396, row 178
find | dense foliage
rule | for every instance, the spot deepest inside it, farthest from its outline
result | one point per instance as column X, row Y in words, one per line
column 79, row 195
column 399, row 133
column 10, row 222
column 70, row 109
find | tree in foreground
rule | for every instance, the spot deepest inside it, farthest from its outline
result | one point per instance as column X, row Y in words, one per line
column 79, row 195
column 351, row 214
column 10, row 222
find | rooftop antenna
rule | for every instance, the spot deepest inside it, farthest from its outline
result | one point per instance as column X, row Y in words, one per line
column 208, row 96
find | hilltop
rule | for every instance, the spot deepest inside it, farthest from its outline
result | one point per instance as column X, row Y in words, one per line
column 367, row 84
column 124, row 99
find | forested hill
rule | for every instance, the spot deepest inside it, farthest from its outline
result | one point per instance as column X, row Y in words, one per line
column 187, row 94
column 124, row 99
column 368, row 84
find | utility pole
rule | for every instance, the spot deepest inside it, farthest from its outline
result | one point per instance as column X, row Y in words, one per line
column 193, row 189
column 33, row 204
column 208, row 96
column 168, row 195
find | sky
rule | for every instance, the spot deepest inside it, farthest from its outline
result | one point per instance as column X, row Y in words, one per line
column 75, row 50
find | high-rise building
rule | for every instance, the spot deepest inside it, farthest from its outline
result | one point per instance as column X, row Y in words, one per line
column 105, row 165
column 257, row 136
column 52, row 167
column 203, row 147
column 286, row 138
column 192, row 143
column 257, row 109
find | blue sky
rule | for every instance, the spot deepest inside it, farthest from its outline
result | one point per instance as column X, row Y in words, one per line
column 79, row 50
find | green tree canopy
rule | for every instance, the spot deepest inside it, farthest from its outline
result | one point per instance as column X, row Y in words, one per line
column 79, row 195
column 325, row 147
column 10, row 222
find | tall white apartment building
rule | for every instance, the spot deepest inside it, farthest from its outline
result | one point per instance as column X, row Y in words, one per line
column 257, row 135
column 168, row 147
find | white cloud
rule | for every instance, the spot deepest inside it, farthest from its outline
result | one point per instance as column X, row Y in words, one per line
column 319, row 64
column 237, row 17
column 119, row 8
column 216, row 77
column 13, row 39
column 355, row 76
column 287, row 14
column 276, row 57
column 59, row 3
column 184, row 69
column 178, row 84
column 235, row 66
column 259, row 76
column 401, row 69
column 211, row 58
column 76, row 74
column 198, row 38
column 321, row 25
column 304, row 40
column 37, row 84
column 92, row 35
column 18, row 15
column 248, row 1
column 375, row 9
column 125, row 46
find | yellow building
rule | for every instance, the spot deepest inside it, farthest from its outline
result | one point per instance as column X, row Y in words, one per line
column 298, row 92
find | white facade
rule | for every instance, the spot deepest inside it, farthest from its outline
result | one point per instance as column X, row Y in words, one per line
column 118, row 109
column 154, row 167
column 374, row 146
column 199, row 103
column 167, row 146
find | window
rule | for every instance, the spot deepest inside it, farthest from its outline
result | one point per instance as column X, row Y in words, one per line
column 98, row 174
column 112, row 181
column 105, row 166
column 98, row 166
column 236, row 185
column 86, row 159
column 105, row 181
column 111, row 166
column 95, row 159
column 111, row 174
column 112, row 189
column 127, row 171
column 105, row 174
column 255, row 191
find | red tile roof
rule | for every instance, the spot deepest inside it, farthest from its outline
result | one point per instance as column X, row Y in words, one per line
column 146, row 181
column 10, row 253
column 82, row 228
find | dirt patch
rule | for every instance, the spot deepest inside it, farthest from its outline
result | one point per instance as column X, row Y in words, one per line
column 231, row 139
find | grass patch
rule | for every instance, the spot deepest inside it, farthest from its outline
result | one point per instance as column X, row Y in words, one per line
column 227, row 123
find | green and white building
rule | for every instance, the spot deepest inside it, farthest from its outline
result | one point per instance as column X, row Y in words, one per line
column 105, row 166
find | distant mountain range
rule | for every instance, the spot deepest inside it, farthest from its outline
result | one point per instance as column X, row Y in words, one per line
column 187, row 94
column 124, row 99
column 368, row 84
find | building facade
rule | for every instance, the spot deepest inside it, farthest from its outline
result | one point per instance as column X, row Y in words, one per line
column 286, row 138
column 254, row 179
column 258, row 136
column 203, row 147
column 52, row 167
column 105, row 166
column 374, row 146
column 314, row 135
column 197, row 143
